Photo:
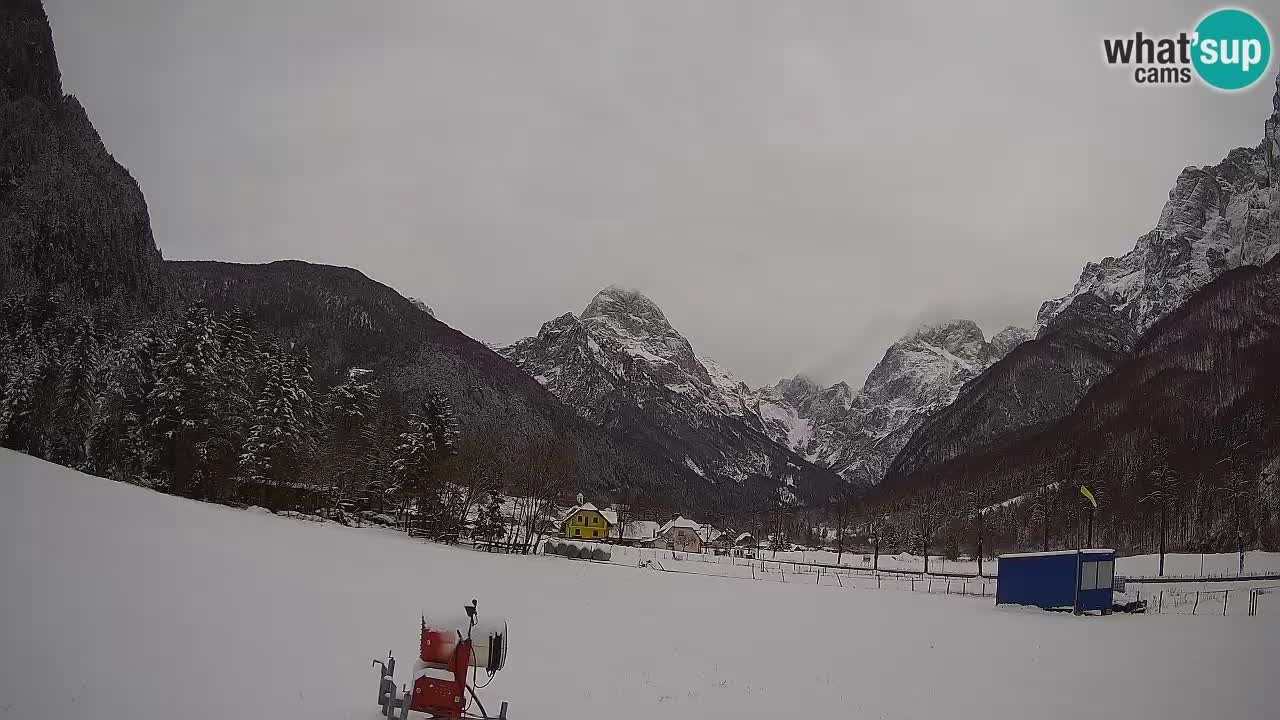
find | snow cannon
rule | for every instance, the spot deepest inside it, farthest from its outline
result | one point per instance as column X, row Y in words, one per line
column 442, row 635
column 445, row 654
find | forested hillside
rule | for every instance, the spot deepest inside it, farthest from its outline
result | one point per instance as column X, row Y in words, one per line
column 1184, row 433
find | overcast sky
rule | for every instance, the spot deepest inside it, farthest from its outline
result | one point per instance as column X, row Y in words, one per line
column 796, row 184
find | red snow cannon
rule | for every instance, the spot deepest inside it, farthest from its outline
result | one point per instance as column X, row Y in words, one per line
column 439, row 684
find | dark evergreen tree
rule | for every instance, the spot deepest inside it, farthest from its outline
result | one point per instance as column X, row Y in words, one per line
column 117, row 442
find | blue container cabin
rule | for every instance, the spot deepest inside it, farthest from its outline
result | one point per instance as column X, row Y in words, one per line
column 1076, row 579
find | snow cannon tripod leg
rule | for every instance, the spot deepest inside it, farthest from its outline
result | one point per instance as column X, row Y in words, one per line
column 387, row 691
column 386, row 685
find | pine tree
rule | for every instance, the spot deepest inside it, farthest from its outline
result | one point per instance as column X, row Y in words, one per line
column 443, row 424
column 26, row 362
column 281, row 425
column 341, row 462
column 117, row 444
column 491, row 525
column 76, row 387
column 188, row 402
column 411, row 468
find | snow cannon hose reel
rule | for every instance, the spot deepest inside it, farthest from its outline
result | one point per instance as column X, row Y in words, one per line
column 439, row 685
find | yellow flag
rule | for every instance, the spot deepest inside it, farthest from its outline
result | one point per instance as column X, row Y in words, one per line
column 1088, row 494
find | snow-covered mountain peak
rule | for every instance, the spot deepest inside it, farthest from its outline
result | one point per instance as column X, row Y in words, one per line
column 1216, row 218
column 797, row 389
column 858, row 434
column 939, row 332
column 622, row 363
column 960, row 339
column 629, row 308
column 638, row 326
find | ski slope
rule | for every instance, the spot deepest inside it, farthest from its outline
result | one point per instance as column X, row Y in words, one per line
column 118, row 603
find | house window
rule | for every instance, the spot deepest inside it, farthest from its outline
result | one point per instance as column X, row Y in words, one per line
column 576, row 532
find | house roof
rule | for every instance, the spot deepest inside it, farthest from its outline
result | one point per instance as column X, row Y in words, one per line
column 679, row 521
column 640, row 530
column 609, row 516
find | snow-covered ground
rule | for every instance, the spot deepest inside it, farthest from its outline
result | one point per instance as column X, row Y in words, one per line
column 117, row 603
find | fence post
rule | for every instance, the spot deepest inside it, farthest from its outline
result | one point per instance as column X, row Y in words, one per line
column 1226, row 596
column 1160, row 604
column 1197, row 603
column 877, row 581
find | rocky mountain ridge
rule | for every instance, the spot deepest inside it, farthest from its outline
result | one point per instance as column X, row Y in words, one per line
column 620, row 362
column 858, row 434
column 622, row 347
column 71, row 217
column 1217, row 219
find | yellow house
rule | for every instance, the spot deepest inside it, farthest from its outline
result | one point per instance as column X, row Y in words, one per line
column 585, row 522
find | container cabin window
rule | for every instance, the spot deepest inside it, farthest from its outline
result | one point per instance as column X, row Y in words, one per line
column 1106, row 569
column 1089, row 576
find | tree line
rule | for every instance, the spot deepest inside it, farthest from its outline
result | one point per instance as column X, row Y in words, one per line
column 196, row 403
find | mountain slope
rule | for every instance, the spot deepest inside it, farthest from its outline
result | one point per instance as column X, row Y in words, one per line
column 858, row 434
column 1216, row 218
column 343, row 319
column 622, row 365
column 70, row 216
column 1196, row 400
column 1037, row 382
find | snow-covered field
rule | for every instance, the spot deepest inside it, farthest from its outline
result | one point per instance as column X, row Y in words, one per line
column 117, row 603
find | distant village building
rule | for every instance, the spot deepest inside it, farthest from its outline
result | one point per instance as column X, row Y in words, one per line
column 585, row 522
column 636, row 532
column 681, row 534
column 710, row 536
